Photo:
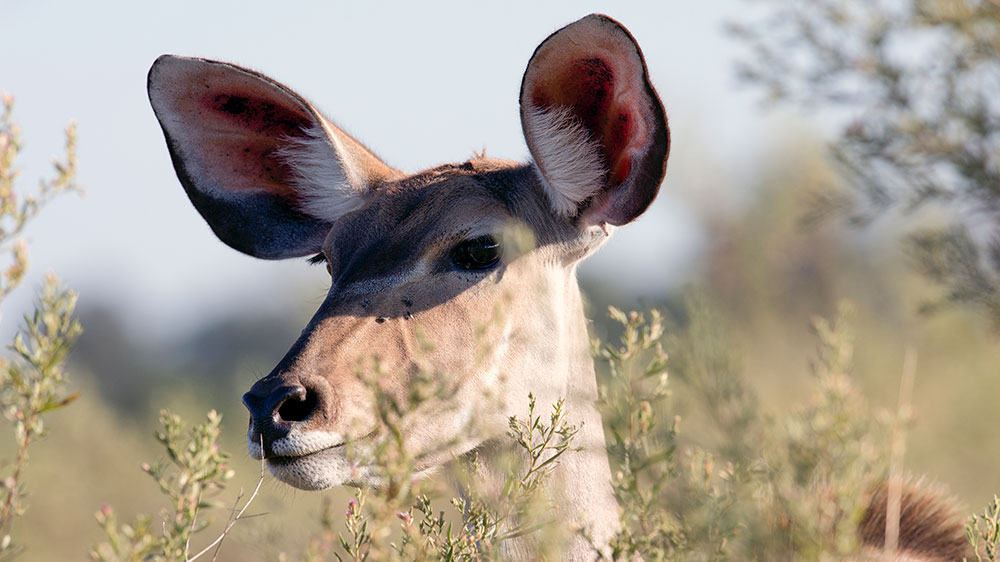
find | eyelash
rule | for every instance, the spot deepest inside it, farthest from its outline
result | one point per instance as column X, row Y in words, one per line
column 318, row 259
column 480, row 253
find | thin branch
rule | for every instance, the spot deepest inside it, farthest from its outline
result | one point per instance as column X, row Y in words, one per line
column 229, row 526
column 22, row 454
column 232, row 515
column 194, row 520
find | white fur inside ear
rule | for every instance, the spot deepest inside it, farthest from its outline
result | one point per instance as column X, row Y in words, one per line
column 323, row 175
column 566, row 157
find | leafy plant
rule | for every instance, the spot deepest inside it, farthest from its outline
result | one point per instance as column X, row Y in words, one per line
column 821, row 464
column 32, row 384
column 394, row 522
column 793, row 487
column 32, row 381
column 797, row 490
column 983, row 532
column 642, row 456
column 18, row 209
column 197, row 471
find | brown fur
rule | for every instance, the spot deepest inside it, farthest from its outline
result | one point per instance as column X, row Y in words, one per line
column 931, row 524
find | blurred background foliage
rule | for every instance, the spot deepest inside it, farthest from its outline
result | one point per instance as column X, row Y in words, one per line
column 917, row 82
column 768, row 267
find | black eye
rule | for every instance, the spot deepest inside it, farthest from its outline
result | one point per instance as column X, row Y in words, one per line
column 477, row 253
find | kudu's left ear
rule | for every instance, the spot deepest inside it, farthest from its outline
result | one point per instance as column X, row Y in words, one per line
column 268, row 173
column 594, row 124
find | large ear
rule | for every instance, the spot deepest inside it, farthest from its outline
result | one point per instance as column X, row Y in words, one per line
column 261, row 165
column 594, row 124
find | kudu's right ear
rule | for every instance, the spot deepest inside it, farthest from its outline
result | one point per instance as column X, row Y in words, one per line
column 268, row 173
column 593, row 122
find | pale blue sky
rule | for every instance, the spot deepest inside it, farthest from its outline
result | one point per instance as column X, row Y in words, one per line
column 420, row 84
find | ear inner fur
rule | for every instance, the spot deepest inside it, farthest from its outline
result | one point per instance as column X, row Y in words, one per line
column 227, row 123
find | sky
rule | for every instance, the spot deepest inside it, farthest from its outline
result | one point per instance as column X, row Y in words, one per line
column 420, row 84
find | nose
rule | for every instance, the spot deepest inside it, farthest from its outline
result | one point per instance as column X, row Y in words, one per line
column 275, row 412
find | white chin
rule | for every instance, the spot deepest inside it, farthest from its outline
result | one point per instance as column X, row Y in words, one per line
column 317, row 471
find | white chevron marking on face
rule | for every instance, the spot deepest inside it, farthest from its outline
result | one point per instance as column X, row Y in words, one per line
column 379, row 284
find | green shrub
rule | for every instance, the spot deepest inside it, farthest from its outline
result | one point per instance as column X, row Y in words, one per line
column 196, row 472
column 983, row 532
column 32, row 382
column 789, row 486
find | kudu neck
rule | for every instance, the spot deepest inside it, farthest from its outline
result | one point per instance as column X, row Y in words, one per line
column 580, row 486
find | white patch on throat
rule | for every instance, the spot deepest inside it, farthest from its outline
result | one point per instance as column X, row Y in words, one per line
column 492, row 373
column 568, row 160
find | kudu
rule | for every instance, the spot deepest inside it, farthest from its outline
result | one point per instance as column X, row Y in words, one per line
column 435, row 252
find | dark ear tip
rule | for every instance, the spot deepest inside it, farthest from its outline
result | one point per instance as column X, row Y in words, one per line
column 158, row 66
column 161, row 61
column 168, row 68
column 167, row 60
column 603, row 19
column 600, row 17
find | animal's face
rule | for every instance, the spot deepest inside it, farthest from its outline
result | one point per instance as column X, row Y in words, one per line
column 463, row 272
column 456, row 286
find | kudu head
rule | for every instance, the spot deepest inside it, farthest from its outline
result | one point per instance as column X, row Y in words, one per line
column 457, row 255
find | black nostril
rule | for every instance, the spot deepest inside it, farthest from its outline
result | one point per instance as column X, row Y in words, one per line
column 297, row 404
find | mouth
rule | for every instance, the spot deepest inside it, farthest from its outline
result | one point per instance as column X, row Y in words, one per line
column 311, row 461
column 319, row 470
column 285, row 460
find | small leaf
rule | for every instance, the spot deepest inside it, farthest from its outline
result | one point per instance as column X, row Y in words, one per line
column 60, row 404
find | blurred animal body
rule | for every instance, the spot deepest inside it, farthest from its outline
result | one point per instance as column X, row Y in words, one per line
column 480, row 251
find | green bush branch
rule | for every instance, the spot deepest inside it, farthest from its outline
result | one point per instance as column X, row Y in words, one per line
column 397, row 519
column 196, row 471
column 983, row 532
column 32, row 381
column 17, row 209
